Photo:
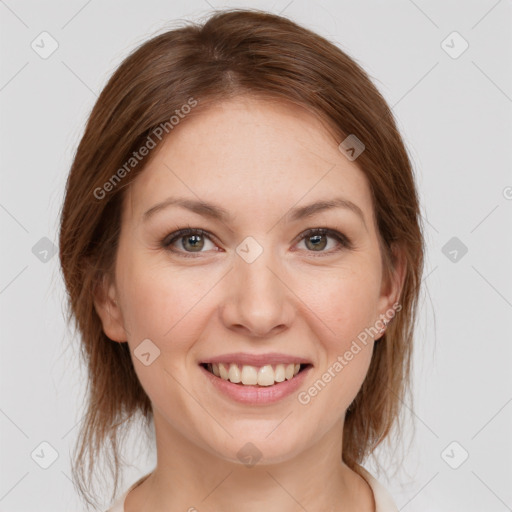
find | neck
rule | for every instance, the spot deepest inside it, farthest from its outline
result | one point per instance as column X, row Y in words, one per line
column 192, row 478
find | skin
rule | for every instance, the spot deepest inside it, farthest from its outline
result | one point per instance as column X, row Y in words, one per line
column 258, row 160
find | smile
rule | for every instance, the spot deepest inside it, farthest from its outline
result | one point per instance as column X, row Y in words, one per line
column 248, row 375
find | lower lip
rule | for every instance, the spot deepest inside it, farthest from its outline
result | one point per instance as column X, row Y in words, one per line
column 257, row 394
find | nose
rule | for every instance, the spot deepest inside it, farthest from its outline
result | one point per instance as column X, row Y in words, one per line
column 257, row 301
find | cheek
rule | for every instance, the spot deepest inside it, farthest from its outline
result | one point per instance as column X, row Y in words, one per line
column 161, row 303
column 344, row 311
column 345, row 301
column 161, row 306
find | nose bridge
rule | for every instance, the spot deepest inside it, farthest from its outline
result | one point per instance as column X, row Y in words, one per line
column 257, row 298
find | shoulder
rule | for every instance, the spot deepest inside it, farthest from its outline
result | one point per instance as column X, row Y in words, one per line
column 383, row 500
column 118, row 505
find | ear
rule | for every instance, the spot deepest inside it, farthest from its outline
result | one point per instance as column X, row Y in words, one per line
column 392, row 285
column 109, row 311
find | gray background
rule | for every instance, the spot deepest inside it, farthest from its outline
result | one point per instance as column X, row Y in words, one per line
column 455, row 116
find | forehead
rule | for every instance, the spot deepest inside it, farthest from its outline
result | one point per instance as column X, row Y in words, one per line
column 250, row 153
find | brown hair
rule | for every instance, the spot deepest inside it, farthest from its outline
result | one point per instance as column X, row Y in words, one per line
column 233, row 52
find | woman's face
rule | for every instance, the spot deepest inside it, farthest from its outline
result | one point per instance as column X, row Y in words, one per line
column 254, row 283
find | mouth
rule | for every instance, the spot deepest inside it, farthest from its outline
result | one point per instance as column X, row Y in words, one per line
column 256, row 376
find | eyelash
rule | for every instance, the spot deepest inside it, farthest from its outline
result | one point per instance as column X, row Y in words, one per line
column 343, row 240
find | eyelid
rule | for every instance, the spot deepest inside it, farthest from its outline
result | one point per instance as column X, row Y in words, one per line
column 179, row 233
column 343, row 240
column 321, row 230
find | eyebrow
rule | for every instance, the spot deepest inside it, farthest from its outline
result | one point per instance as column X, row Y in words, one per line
column 219, row 213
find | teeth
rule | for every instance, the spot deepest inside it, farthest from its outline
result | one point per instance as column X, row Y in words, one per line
column 280, row 373
column 234, row 373
column 251, row 375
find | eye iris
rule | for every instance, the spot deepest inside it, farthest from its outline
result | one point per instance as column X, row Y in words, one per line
column 317, row 246
column 194, row 241
column 196, row 238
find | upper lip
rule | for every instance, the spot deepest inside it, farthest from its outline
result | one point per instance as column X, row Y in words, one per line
column 256, row 359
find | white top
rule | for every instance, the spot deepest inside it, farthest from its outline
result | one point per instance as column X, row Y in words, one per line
column 383, row 500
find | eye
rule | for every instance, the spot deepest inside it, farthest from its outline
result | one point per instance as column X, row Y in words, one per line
column 315, row 240
column 190, row 240
column 193, row 240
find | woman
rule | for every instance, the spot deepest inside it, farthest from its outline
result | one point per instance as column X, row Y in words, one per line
column 242, row 249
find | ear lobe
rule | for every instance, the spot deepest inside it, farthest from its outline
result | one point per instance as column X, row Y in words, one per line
column 108, row 310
